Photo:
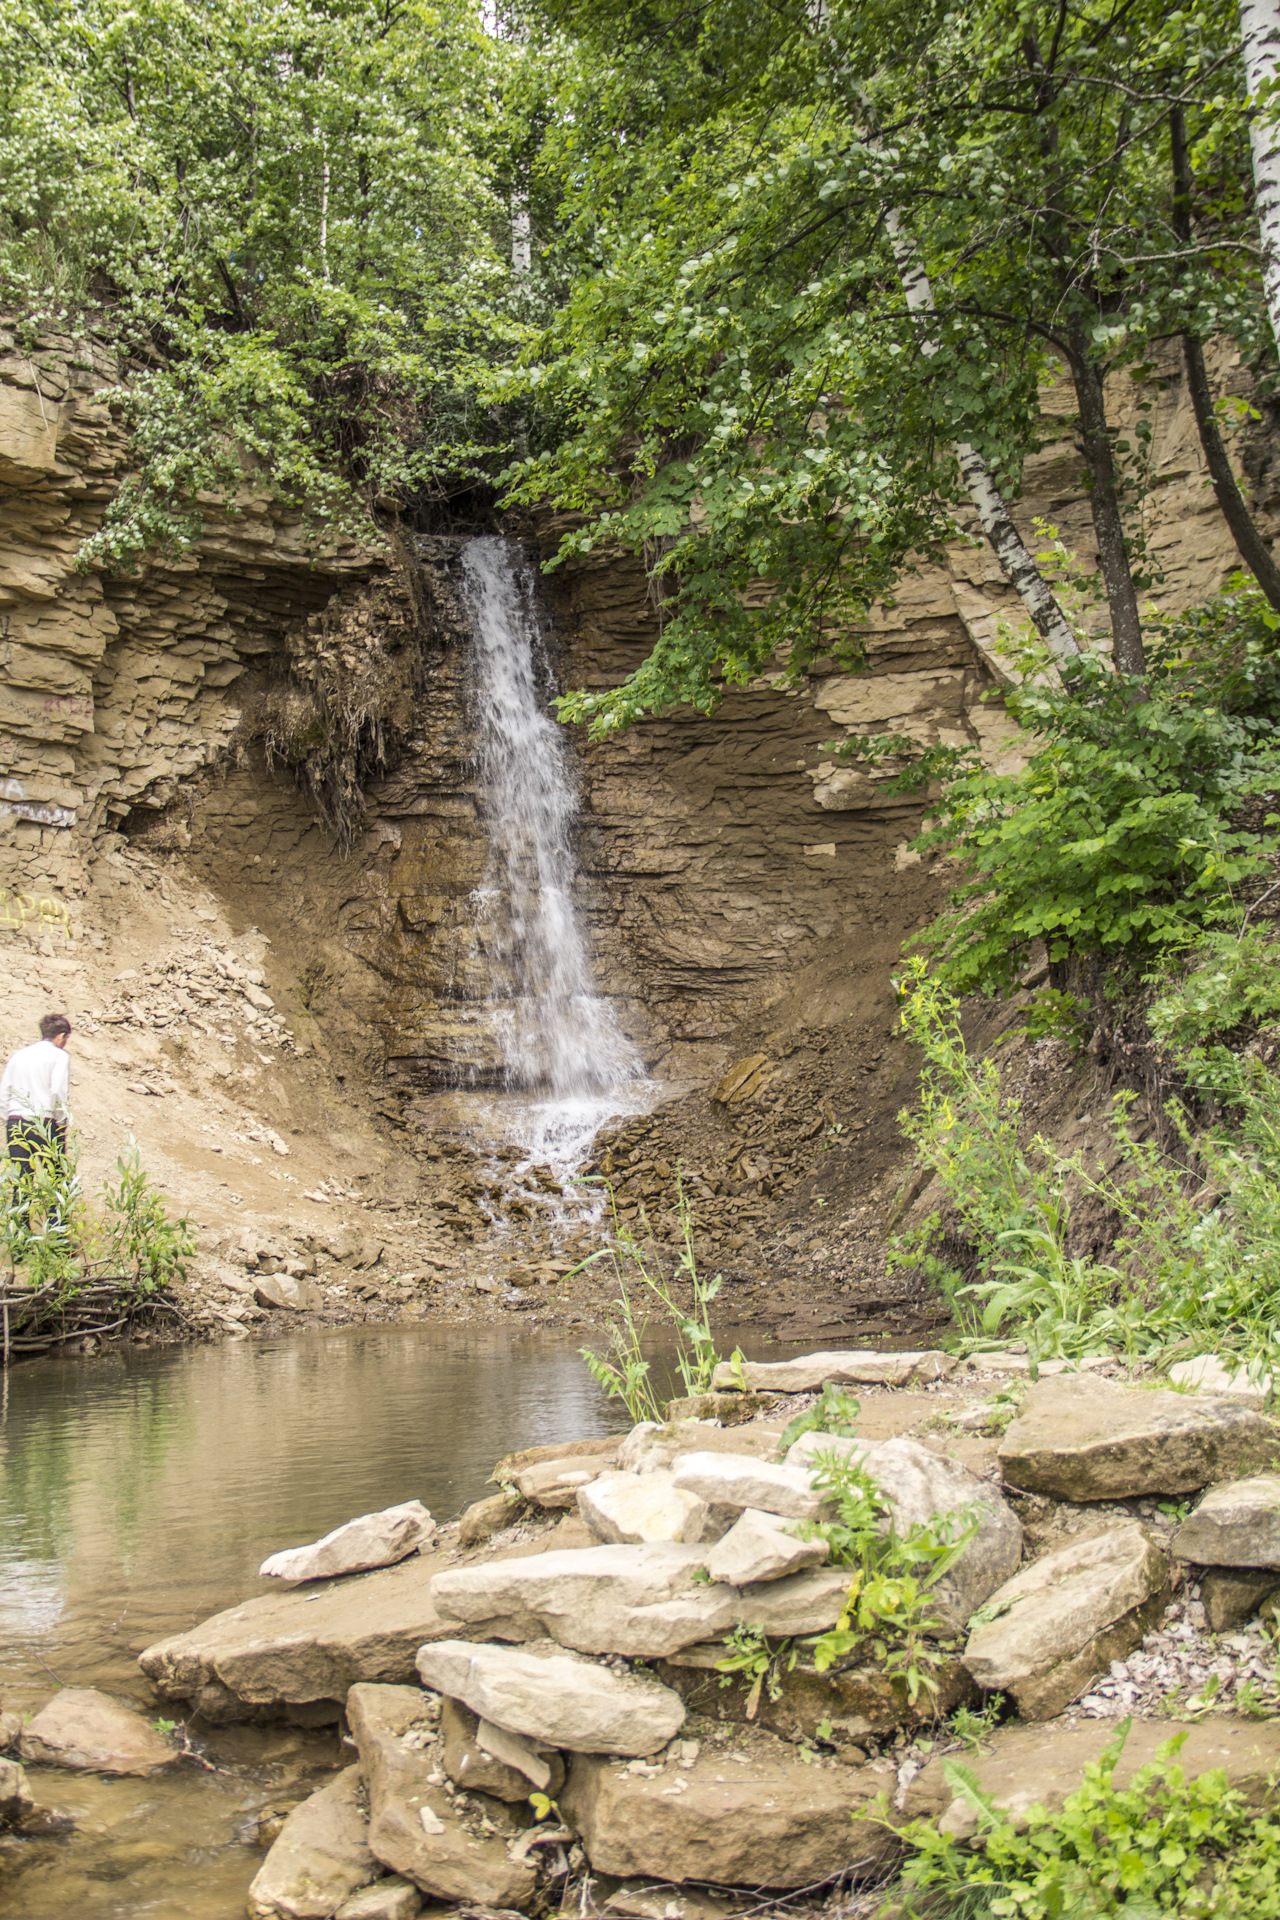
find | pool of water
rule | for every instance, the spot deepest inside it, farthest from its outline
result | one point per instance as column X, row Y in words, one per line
column 138, row 1494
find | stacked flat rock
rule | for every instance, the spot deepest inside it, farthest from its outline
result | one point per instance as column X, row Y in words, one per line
column 555, row 1697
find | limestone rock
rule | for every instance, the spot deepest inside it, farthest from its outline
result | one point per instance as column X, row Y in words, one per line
column 627, row 1507
column 1063, row 1619
column 851, row 1701
column 555, row 1698
column 641, row 1900
column 1079, row 1438
column 758, row 1547
column 288, row 1648
column 320, row 1856
column 389, row 1899
column 650, row 1448
column 483, row 1518
column 1021, row 1768
column 600, row 1449
column 413, row 1826
column 1232, row 1595
column 1208, row 1374
column 278, row 1293
column 475, row 1759
column 555, row 1483
column 372, row 1540
column 920, row 1485
column 15, row 1796
column 640, row 1601
column 739, row 1480
column 92, row 1733
column 809, row 1373
column 771, row 1822
column 1234, row 1526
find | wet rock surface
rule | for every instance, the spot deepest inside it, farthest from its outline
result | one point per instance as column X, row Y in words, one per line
column 320, row 1857
column 90, row 1732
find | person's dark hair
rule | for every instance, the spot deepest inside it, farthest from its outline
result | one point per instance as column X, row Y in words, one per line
column 53, row 1024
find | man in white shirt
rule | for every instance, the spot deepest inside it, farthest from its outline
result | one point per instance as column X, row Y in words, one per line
column 35, row 1094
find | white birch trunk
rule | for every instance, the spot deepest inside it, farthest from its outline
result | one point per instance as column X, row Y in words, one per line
column 1260, row 42
column 521, row 237
column 1023, row 574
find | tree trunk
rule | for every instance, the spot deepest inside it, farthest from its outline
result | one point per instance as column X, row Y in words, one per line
column 1113, row 551
column 1021, row 571
column 1260, row 44
column 1253, row 549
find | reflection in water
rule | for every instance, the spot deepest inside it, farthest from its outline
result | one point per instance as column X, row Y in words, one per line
column 141, row 1491
column 138, row 1494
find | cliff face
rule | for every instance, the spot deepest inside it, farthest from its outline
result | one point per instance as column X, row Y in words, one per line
column 727, row 863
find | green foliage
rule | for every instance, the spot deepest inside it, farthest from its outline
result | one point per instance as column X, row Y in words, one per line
column 1123, row 835
column 55, row 1237
column 623, row 1369
column 886, row 1614
column 751, row 1656
column 1163, row 1844
column 291, row 222
column 834, row 1411
column 974, row 1729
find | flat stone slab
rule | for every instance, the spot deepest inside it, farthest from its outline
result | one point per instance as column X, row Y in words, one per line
column 1208, row 1374
column 920, row 1485
column 650, row 1448
column 640, row 1601
column 741, row 1480
column 414, row 1827
column 758, row 1547
column 1079, row 1438
column 1022, row 1767
column 555, row 1698
column 1061, row 1621
column 373, row 1540
column 90, row 1732
column 319, row 1858
column 389, row 1899
column 290, row 1648
column 761, row 1819
column 627, row 1508
column 1234, row 1526
column 810, row 1372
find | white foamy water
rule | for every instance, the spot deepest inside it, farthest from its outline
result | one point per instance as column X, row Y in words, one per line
column 563, row 1049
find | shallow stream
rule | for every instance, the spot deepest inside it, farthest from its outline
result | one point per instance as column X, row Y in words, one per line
column 140, row 1492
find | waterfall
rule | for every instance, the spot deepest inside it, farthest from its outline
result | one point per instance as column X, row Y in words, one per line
column 559, row 1038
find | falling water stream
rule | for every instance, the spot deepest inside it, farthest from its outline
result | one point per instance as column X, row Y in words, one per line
column 566, row 1060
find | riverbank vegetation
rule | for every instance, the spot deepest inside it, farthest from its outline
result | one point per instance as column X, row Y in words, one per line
column 76, row 1268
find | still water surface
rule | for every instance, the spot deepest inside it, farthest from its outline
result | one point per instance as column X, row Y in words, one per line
column 138, row 1494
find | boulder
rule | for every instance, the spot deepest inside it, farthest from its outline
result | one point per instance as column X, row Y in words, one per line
column 650, row 1448
column 1232, row 1595
column 1022, row 1767
column 1234, row 1526
column 760, row 1819
column 389, row 1899
column 1081, row 1438
column 414, row 1827
column 1062, row 1621
column 373, row 1540
column 553, row 1484
column 810, row 1372
column 627, row 1508
column 758, row 1547
column 554, row 1697
column 639, row 1601
column 919, row 1486
column 739, row 1480
column 320, row 1856
column 289, row 1648
column 1207, row 1374
column 92, row 1733
column 15, row 1796
column 481, row 1757
column 483, row 1518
